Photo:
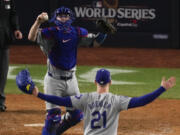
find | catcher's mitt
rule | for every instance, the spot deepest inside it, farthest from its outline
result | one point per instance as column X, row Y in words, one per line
column 105, row 26
column 24, row 81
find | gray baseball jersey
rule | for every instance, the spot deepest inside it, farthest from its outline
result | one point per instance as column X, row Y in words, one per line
column 101, row 111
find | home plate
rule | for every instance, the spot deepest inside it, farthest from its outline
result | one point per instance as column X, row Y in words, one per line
column 34, row 125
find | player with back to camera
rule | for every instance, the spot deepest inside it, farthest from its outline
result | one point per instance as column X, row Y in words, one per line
column 60, row 44
column 101, row 108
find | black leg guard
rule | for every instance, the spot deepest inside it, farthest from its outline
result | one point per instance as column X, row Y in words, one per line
column 69, row 119
column 52, row 122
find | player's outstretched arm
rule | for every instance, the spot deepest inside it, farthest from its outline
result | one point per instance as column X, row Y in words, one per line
column 92, row 40
column 34, row 29
column 61, row 101
column 26, row 85
column 148, row 98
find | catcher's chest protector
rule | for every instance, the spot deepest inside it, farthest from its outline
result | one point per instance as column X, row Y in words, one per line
column 64, row 53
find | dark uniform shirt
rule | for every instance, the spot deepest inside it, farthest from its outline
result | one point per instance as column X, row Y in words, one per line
column 8, row 22
column 63, row 53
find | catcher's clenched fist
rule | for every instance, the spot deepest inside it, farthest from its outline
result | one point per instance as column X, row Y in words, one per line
column 42, row 17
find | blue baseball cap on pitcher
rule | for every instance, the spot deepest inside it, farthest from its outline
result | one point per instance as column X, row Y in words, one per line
column 103, row 76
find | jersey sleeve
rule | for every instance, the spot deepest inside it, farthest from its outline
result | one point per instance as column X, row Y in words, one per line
column 45, row 44
column 121, row 102
column 86, row 39
column 79, row 101
column 82, row 32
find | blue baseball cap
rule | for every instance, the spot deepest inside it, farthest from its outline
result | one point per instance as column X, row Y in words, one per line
column 103, row 76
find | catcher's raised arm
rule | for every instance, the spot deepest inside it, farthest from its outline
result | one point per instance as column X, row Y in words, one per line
column 34, row 29
column 95, row 40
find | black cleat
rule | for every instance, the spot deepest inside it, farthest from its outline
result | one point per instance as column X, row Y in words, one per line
column 3, row 108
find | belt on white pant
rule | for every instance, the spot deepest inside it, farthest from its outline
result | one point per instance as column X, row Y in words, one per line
column 65, row 78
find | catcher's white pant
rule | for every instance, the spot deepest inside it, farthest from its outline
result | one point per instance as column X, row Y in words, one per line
column 59, row 87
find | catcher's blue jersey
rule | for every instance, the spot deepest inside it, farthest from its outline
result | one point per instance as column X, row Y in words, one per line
column 64, row 53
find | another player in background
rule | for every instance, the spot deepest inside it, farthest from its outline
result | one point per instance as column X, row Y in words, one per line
column 9, row 30
column 60, row 44
column 101, row 108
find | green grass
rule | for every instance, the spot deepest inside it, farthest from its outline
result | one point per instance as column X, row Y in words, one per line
column 150, row 77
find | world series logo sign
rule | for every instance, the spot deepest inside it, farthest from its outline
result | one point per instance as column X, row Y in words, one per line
column 125, row 15
column 149, row 20
column 122, row 16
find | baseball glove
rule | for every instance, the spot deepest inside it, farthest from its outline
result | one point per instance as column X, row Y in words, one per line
column 105, row 26
column 24, row 81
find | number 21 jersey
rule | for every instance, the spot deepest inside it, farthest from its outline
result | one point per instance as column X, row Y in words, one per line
column 101, row 111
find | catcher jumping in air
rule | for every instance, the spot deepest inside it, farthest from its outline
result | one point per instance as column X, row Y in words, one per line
column 101, row 108
column 60, row 44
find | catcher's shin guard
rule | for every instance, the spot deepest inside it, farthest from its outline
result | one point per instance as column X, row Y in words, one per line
column 52, row 121
column 69, row 119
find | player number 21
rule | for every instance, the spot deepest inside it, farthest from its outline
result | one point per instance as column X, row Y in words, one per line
column 98, row 116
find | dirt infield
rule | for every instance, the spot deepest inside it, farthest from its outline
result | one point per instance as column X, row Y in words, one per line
column 159, row 118
column 104, row 56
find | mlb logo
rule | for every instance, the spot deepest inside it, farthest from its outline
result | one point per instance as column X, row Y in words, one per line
column 7, row 6
column 99, row 4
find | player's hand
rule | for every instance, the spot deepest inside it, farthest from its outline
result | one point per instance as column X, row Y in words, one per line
column 167, row 84
column 18, row 34
column 42, row 17
column 35, row 91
